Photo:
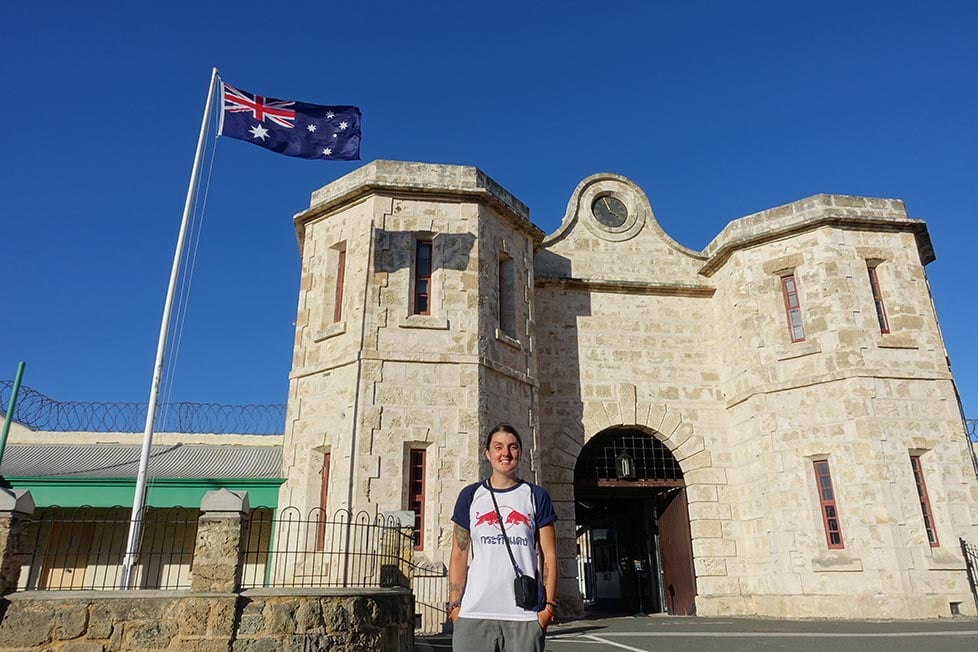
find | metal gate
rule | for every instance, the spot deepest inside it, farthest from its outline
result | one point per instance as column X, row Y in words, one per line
column 430, row 585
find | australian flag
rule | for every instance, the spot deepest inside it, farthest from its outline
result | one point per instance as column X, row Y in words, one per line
column 327, row 133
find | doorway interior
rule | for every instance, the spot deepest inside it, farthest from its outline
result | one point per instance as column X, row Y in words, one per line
column 634, row 551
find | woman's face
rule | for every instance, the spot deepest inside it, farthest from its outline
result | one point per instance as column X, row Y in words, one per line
column 503, row 453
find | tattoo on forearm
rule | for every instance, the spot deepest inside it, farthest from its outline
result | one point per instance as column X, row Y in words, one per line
column 454, row 588
column 546, row 572
column 462, row 538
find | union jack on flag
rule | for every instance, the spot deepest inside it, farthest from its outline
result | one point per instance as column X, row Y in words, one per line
column 291, row 128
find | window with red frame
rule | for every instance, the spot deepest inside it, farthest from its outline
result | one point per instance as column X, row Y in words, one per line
column 925, row 510
column 340, row 274
column 416, row 487
column 792, row 307
column 422, row 278
column 826, row 497
column 507, row 296
column 874, row 283
column 321, row 512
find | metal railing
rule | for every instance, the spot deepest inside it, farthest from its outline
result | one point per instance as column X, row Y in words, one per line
column 82, row 549
column 343, row 551
column 430, row 588
column 971, row 427
column 39, row 412
column 970, row 552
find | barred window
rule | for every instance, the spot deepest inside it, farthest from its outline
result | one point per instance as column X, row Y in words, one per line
column 422, row 278
column 925, row 509
column 340, row 275
column 416, row 491
column 874, row 284
column 830, row 513
column 323, row 502
column 792, row 306
column 507, row 297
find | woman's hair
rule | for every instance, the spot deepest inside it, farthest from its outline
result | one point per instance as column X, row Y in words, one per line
column 504, row 427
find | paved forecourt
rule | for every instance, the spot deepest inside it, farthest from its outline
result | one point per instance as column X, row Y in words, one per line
column 677, row 634
column 648, row 634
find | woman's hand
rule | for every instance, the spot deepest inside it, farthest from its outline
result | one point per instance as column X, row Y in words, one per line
column 545, row 617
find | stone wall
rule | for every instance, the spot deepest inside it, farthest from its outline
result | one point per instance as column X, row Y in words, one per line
column 258, row 620
column 215, row 614
column 619, row 326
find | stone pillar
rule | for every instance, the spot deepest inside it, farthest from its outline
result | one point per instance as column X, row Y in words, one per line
column 218, row 554
column 398, row 542
column 16, row 509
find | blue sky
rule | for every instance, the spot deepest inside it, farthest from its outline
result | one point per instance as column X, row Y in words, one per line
column 716, row 109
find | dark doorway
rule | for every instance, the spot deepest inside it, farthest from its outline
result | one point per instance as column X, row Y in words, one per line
column 633, row 542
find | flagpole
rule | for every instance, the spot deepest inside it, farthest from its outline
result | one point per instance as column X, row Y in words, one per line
column 139, row 499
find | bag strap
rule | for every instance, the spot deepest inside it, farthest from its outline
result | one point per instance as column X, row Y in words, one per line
column 492, row 493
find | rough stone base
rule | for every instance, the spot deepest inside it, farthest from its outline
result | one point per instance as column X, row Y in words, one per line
column 260, row 620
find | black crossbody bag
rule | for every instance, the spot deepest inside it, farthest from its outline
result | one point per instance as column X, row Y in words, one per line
column 525, row 587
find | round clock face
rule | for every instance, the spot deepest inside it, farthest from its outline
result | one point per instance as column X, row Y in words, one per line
column 609, row 211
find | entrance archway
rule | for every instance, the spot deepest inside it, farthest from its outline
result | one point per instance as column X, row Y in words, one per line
column 634, row 550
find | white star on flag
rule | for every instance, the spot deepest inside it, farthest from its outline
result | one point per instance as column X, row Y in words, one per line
column 259, row 131
column 344, row 125
column 311, row 128
column 329, row 115
column 327, row 151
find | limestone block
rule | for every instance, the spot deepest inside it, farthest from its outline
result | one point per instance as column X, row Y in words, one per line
column 71, row 621
column 717, row 585
column 149, row 635
column 700, row 460
column 689, row 447
column 710, row 511
column 702, row 494
column 706, row 476
column 710, row 566
column 706, row 529
column 670, row 422
column 714, row 548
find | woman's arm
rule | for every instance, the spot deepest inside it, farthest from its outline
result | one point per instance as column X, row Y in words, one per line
column 458, row 569
column 548, row 554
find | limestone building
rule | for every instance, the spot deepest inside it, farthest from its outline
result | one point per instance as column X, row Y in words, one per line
column 767, row 426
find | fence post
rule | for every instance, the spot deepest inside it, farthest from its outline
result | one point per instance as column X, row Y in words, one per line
column 398, row 547
column 16, row 510
column 219, row 551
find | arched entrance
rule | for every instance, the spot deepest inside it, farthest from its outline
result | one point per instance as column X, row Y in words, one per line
column 634, row 550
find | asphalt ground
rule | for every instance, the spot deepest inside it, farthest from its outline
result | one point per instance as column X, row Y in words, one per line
column 695, row 634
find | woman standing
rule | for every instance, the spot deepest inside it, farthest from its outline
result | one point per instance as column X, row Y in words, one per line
column 482, row 598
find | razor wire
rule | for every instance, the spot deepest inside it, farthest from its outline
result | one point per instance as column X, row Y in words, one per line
column 38, row 412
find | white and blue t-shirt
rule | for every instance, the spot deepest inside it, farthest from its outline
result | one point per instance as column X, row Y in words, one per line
column 525, row 509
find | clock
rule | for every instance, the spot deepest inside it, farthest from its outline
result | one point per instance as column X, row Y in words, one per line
column 609, row 211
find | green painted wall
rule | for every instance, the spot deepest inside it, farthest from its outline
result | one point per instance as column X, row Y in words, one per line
column 165, row 492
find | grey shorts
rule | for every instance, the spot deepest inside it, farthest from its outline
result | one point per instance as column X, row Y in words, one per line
column 478, row 635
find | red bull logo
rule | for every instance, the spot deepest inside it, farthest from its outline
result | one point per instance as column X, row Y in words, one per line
column 515, row 518
column 489, row 518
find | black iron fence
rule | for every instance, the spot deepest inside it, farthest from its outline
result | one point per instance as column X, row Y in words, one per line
column 345, row 550
column 971, row 426
column 970, row 552
column 82, row 549
column 39, row 412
